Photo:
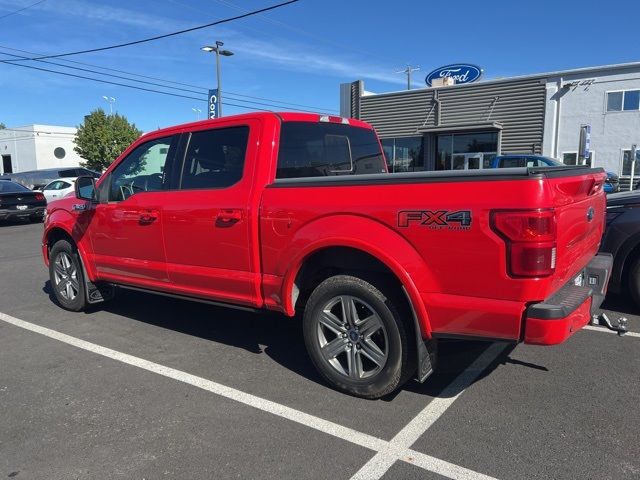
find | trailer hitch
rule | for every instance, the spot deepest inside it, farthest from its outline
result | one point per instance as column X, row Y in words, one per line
column 620, row 327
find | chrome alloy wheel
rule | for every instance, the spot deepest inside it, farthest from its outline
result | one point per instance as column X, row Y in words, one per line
column 66, row 277
column 352, row 337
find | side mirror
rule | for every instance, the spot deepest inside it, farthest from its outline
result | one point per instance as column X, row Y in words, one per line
column 86, row 188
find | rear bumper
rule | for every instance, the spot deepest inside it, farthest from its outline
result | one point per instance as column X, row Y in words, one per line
column 570, row 308
column 15, row 214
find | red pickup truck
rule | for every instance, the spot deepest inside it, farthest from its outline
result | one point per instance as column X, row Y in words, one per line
column 296, row 213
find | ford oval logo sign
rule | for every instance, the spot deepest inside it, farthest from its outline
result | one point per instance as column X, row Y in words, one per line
column 460, row 72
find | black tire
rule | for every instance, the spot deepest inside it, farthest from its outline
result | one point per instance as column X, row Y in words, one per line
column 391, row 338
column 634, row 280
column 67, row 280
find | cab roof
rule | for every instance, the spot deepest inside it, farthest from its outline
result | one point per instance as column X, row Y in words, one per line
column 282, row 116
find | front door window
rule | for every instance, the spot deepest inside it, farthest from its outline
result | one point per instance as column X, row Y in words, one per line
column 142, row 171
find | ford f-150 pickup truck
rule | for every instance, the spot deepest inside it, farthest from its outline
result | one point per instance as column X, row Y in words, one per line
column 296, row 213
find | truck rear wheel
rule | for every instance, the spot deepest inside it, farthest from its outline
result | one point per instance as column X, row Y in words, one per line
column 356, row 338
column 65, row 274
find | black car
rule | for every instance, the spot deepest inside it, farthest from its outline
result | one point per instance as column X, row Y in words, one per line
column 622, row 239
column 18, row 202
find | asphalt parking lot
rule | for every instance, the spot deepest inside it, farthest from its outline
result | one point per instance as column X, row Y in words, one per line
column 149, row 387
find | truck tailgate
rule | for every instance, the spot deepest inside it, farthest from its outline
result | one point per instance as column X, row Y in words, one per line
column 580, row 206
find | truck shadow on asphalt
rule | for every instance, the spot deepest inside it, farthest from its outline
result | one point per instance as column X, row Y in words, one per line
column 620, row 304
column 280, row 337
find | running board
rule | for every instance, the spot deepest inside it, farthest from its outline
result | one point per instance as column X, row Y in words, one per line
column 192, row 299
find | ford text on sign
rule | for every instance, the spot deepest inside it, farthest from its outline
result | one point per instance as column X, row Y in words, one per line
column 460, row 72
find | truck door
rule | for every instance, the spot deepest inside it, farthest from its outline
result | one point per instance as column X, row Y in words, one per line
column 125, row 228
column 210, row 228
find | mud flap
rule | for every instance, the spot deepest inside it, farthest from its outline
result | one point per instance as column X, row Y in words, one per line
column 426, row 350
column 100, row 292
column 96, row 293
column 427, row 358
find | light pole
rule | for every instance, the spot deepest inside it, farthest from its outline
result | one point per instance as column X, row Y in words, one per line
column 224, row 53
column 110, row 101
column 197, row 111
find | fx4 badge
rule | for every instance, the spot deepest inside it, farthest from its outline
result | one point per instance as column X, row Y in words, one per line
column 436, row 219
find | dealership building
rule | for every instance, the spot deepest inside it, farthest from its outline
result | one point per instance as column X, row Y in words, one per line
column 34, row 147
column 465, row 125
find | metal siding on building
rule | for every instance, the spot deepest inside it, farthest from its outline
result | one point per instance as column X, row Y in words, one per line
column 398, row 115
column 520, row 107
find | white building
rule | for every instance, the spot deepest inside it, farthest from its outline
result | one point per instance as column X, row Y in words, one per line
column 608, row 99
column 34, row 147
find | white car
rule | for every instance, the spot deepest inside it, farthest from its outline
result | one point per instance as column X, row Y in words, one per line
column 58, row 188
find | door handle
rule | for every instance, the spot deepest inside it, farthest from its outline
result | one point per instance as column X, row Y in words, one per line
column 149, row 216
column 228, row 217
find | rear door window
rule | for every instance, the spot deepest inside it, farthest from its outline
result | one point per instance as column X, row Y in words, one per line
column 309, row 149
column 214, row 158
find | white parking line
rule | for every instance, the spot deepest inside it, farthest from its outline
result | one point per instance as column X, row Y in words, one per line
column 392, row 450
column 382, row 461
column 606, row 330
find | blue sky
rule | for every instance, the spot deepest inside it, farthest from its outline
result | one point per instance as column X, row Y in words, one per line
column 299, row 54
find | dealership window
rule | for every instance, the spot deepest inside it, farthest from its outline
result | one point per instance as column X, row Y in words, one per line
column 571, row 158
column 467, row 151
column 627, row 100
column 405, row 154
column 626, row 163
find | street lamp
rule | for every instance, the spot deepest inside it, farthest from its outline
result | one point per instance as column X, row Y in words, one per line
column 111, row 101
column 197, row 111
column 225, row 53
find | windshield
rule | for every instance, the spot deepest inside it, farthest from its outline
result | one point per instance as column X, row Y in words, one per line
column 12, row 187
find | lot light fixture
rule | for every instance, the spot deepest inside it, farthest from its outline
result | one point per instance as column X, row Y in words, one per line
column 110, row 101
column 225, row 53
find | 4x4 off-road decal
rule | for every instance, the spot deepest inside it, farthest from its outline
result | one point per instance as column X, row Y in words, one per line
column 436, row 219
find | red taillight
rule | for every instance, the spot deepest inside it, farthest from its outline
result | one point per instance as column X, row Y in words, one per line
column 530, row 236
column 39, row 196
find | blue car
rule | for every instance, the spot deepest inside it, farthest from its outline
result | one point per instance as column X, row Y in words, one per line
column 611, row 185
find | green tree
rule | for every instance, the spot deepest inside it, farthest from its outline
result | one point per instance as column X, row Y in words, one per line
column 102, row 138
column 2, row 125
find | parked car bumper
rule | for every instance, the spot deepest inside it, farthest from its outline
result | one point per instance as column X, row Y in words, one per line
column 568, row 310
column 14, row 214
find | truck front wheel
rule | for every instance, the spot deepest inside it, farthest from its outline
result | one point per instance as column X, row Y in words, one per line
column 356, row 337
column 65, row 274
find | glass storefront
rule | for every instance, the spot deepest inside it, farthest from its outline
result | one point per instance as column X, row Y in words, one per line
column 405, row 154
column 627, row 163
column 466, row 151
